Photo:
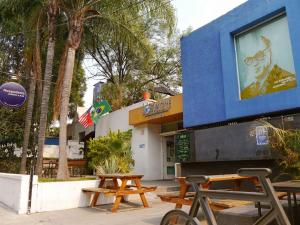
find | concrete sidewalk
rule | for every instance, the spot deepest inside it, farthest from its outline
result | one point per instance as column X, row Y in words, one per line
column 129, row 214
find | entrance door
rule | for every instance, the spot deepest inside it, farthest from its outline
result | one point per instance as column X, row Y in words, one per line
column 169, row 157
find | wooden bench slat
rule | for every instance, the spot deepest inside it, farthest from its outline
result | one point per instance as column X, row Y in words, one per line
column 226, row 204
column 149, row 189
column 126, row 191
column 99, row 190
column 175, row 194
column 144, row 187
column 177, row 200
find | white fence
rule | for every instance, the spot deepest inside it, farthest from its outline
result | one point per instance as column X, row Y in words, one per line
column 47, row 196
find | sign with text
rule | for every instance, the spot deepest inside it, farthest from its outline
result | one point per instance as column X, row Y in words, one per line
column 157, row 107
column 12, row 95
column 262, row 135
column 182, row 147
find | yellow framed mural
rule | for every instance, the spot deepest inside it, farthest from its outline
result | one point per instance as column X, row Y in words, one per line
column 264, row 59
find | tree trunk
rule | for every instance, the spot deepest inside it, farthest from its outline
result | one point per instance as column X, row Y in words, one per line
column 74, row 39
column 63, row 172
column 28, row 118
column 44, row 106
column 52, row 14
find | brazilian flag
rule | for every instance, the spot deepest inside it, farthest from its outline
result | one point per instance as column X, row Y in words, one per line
column 98, row 109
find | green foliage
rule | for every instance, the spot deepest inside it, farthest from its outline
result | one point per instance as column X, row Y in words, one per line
column 11, row 125
column 132, row 68
column 52, row 132
column 11, row 165
column 111, row 153
column 286, row 143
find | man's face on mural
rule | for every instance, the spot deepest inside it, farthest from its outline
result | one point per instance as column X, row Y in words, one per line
column 261, row 61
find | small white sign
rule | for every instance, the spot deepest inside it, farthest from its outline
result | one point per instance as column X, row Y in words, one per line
column 262, row 135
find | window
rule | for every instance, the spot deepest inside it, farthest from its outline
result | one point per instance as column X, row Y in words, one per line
column 264, row 59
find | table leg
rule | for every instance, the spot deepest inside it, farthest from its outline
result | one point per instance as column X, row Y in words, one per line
column 119, row 197
column 295, row 200
column 182, row 192
column 96, row 195
column 142, row 194
column 237, row 186
column 290, row 208
column 116, row 187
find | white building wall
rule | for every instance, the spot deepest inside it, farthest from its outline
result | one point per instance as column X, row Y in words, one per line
column 154, row 159
column 145, row 143
column 73, row 150
column 51, row 151
column 117, row 120
column 146, row 147
column 139, row 147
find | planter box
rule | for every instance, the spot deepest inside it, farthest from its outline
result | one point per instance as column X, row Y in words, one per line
column 46, row 196
column 14, row 191
column 51, row 196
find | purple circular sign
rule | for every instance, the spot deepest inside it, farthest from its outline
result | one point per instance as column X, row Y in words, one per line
column 12, row 94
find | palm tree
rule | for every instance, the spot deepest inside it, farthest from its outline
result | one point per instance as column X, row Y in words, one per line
column 97, row 15
column 52, row 14
column 35, row 75
column 16, row 13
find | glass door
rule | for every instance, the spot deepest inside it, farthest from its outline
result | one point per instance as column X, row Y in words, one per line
column 169, row 157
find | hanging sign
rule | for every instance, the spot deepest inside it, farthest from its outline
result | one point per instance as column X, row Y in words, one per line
column 12, row 95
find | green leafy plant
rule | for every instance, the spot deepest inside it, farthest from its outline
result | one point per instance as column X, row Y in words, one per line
column 286, row 144
column 111, row 153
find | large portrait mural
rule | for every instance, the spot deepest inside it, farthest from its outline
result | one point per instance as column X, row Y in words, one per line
column 265, row 60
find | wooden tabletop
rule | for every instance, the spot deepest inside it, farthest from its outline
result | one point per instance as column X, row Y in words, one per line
column 121, row 176
column 287, row 186
column 223, row 177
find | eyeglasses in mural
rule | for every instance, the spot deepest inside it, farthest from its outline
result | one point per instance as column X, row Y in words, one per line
column 264, row 59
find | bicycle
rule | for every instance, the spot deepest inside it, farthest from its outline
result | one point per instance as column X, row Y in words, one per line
column 267, row 194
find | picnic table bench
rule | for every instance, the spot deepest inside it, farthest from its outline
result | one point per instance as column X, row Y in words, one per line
column 183, row 197
column 119, row 191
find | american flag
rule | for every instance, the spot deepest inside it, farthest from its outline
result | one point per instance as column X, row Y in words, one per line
column 86, row 119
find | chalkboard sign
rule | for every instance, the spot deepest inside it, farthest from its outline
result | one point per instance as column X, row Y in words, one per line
column 182, row 147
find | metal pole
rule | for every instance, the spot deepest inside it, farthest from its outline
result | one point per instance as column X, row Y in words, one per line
column 30, row 186
column 32, row 166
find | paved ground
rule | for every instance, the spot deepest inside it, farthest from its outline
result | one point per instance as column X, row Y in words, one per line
column 132, row 214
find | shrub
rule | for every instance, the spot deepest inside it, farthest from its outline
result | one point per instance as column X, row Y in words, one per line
column 286, row 143
column 9, row 162
column 111, row 153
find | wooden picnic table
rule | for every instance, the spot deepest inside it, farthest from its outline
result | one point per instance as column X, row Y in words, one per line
column 291, row 187
column 119, row 191
column 186, row 198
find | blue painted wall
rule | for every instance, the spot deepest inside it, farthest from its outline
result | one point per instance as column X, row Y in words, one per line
column 51, row 141
column 210, row 85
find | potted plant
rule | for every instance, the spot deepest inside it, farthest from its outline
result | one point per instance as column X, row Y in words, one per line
column 112, row 153
column 146, row 95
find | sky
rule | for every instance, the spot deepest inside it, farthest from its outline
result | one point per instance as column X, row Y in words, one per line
column 190, row 13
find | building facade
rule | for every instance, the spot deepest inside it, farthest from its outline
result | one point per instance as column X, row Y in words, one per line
column 243, row 64
column 236, row 69
column 157, row 133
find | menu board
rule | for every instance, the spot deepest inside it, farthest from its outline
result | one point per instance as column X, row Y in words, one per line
column 182, row 147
